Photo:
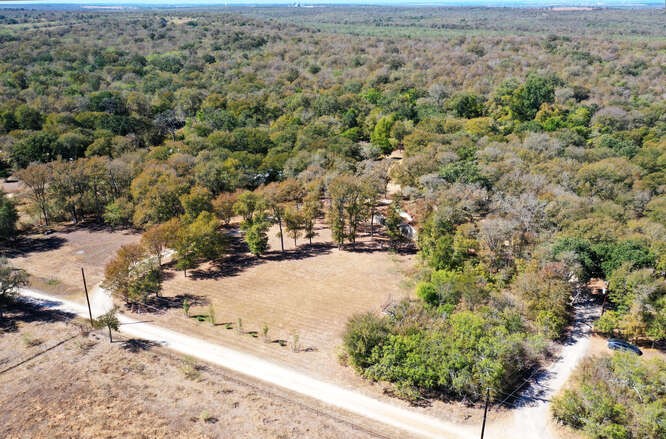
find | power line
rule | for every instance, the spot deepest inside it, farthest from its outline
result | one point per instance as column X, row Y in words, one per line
column 61, row 342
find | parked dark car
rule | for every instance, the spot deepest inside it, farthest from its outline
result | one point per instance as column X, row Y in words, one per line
column 621, row 345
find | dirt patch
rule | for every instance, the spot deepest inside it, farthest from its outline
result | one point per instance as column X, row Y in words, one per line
column 12, row 187
column 54, row 261
column 89, row 388
column 599, row 347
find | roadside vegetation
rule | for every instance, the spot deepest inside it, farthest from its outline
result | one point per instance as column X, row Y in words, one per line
column 529, row 159
column 618, row 396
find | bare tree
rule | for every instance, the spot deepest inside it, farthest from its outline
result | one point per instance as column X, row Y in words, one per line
column 37, row 178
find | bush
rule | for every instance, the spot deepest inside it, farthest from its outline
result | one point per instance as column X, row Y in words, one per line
column 363, row 333
column 459, row 357
column 620, row 396
column 426, row 291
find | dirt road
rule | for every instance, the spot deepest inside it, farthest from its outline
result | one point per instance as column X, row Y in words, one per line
column 532, row 418
column 416, row 424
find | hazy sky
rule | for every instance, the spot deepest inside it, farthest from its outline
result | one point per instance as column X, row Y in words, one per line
column 362, row 2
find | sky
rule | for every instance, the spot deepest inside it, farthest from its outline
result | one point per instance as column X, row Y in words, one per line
column 525, row 3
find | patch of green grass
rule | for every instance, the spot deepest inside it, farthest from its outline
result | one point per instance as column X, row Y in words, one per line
column 191, row 369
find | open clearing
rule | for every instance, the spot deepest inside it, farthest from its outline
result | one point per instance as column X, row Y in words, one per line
column 54, row 261
column 308, row 293
column 87, row 387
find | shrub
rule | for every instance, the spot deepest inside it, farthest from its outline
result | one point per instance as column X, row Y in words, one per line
column 618, row 396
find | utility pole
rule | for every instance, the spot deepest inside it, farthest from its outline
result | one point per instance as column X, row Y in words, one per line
column 85, row 288
column 485, row 411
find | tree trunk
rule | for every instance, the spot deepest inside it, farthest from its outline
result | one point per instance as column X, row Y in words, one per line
column 372, row 222
column 281, row 236
column 110, row 337
column 46, row 218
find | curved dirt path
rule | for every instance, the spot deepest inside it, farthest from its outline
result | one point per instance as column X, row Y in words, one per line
column 532, row 418
column 414, row 423
column 100, row 301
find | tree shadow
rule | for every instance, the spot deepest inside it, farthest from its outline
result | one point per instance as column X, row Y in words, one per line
column 161, row 304
column 177, row 301
column 26, row 245
column 241, row 260
column 380, row 246
column 135, row 345
column 303, row 252
column 532, row 391
column 23, row 311
column 94, row 225
column 587, row 309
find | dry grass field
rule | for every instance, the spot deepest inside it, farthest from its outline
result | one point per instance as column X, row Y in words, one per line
column 54, row 261
column 308, row 292
column 89, row 388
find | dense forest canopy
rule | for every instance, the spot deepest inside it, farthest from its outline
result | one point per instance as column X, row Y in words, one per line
column 533, row 145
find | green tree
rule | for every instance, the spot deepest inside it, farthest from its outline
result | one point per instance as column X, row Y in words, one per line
column 256, row 236
column 199, row 240
column 348, row 208
column 157, row 238
column 309, row 213
column 580, row 252
column 276, row 198
column 196, row 201
column 527, row 98
column 293, row 221
column 108, row 320
column 72, row 144
column 118, row 213
column 467, row 105
column 248, row 205
column 392, row 223
column 363, row 333
column 223, row 206
column 28, row 118
column 35, row 147
column 381, row 134
column 616, row 396
column 156, row 192
column 11, row 279
column 633, row 252
column 131, row 274
column 436, row 243
column 8, row 217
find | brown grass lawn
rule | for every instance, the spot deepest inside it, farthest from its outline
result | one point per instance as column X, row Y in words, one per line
column 89, row 388
column 310, row 292
column 54, row 261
